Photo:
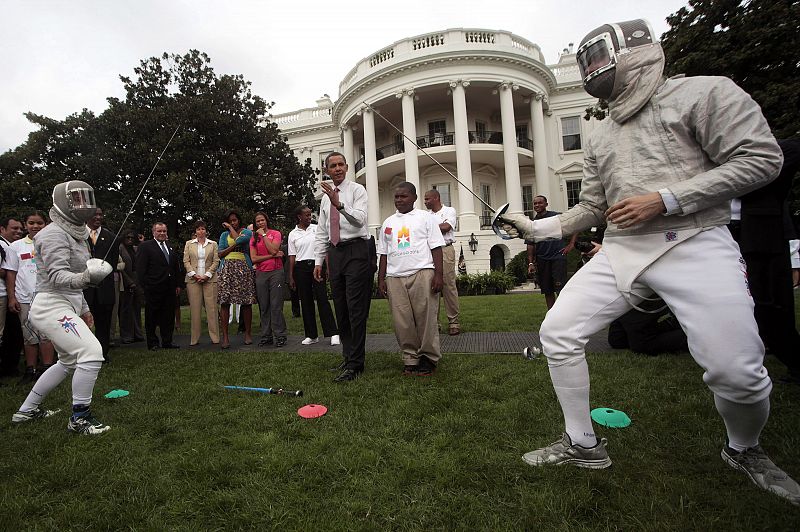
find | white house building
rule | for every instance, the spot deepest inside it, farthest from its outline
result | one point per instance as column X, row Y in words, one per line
column 481, row 102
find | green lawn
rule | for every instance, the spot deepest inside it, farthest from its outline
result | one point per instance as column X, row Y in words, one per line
column 478, row 313
column 393, row 452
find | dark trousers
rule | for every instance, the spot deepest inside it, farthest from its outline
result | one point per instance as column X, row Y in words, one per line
column 159, row 311
column 642, row 332
column 11, row 345
column 351, row 276
column 130, row 316
column 310, row 291
column 269, row 291
column 102, row 324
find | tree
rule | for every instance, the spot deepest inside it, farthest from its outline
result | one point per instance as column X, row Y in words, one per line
column 753, row 42
column 225, row 154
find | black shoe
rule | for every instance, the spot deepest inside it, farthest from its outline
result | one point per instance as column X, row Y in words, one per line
column 138, row 339
column 112, row 344
column 281, row 341
column 426, row 367
column 347, row 376
column 170, row 346
column 126, row 342
column 29, row 376
column 153, row 348
column 338, row 368
column 267, row 340
column 409, row 370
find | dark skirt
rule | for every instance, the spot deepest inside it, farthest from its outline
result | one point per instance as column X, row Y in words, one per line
column 236, row 283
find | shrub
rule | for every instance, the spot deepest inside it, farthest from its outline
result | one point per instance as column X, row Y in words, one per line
column 494, row 282
column 518, row 267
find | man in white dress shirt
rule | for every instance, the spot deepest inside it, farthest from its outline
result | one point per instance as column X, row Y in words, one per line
column 446, row 216
column 343, row 236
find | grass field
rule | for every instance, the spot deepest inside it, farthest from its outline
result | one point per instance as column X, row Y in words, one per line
column 392, row 453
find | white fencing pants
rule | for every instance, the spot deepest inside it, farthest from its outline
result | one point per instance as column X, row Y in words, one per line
column 703, row 281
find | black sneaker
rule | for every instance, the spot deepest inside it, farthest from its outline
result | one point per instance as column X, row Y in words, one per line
column 426, row 367
column 29, row 376
column 281, row 341
column 33, row 415
column 409, row 370
column 267, row 340
column 86, row 425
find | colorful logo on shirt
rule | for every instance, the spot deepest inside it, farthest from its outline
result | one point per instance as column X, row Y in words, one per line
column 69, row 326
column 670, row 236
column 403, row 238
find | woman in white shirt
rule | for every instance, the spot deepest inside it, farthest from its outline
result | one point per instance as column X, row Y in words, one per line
column 201, row 260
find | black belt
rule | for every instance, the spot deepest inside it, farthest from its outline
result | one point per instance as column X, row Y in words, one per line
column 448, row 244
column 309, row 262
column 345, row 243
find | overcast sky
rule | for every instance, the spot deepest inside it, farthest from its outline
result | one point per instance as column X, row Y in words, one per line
column 61, row 56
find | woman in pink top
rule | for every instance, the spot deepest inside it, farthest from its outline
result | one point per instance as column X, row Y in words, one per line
column 266, row 255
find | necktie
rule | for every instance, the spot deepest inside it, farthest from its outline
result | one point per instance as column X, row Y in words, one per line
column 93, row 236
column 334, row 223
column 166, row 251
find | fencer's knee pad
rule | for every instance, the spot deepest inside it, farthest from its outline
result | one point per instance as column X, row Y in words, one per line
column 559, row 342
column 738, row 383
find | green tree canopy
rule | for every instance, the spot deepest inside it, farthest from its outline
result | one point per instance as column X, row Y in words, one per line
column 225, row 155
column 753, row 42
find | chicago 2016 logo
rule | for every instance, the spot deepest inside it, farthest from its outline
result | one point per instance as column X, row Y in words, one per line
column 403, row 238
column 69, row 326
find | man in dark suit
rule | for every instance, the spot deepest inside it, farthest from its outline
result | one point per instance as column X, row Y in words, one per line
column 760, row 230
column 101, row 298
column 157, row 269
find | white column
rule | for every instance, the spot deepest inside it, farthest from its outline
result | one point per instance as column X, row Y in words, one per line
column 467, row 217
column 349, row 154
column 539, row 146
column 371, row 165
column 510, row 157
column 410, row 151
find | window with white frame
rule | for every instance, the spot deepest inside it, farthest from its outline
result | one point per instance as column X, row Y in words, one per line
column 480, row 131
column 486, row 213
column 573, row 192
column 571, row 133
column 527, row 200
column 444, row 193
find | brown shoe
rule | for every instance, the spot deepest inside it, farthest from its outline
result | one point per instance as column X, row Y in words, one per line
column 454, row 330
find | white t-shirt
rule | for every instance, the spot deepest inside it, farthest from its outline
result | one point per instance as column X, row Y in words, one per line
column 301, row 242
column 407, row 241
column 21, row 258
column 447, row 214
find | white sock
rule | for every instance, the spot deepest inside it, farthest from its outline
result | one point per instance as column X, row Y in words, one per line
column 83, row 382
column 571, row 383
column 51, row 378
column 744, row 422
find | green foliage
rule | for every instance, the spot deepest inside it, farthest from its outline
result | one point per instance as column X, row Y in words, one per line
column 226, row 154
column 598, row 110
column 518, row 267
column 753, row 42
column 494, row 282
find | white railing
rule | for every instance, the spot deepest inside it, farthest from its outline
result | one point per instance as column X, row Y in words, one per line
column 303, row 114
column 437, row 42
column 380, row 57
column 427, row 41
column 479, row 37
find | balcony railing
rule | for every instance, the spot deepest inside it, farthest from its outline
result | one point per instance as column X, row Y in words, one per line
column 443, row 139
column 486, row 221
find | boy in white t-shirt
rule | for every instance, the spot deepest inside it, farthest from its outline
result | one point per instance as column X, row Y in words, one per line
column 410, row 273
column 21, row 285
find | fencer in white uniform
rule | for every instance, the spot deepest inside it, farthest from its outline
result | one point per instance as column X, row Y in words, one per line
column 60, row 312
column 661, row 170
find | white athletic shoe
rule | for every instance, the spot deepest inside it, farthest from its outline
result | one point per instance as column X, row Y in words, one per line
column 565, row 452
column 335, row 340
column 755, row 463
column 87, row 425
column 309, row 341
column 33, row 415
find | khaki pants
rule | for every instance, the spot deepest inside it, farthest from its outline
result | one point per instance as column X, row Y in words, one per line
column 415, row 309
column 449, row 290
column 200, row 295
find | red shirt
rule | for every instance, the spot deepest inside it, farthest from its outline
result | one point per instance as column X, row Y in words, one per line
column 261, row 249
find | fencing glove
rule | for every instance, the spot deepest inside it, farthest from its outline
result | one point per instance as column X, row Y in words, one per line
column 517, row 225
column 96, row 271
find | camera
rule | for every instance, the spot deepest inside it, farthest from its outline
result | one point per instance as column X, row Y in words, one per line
column 584, row 246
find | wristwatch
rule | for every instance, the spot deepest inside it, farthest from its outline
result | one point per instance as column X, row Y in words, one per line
column 340, row 206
